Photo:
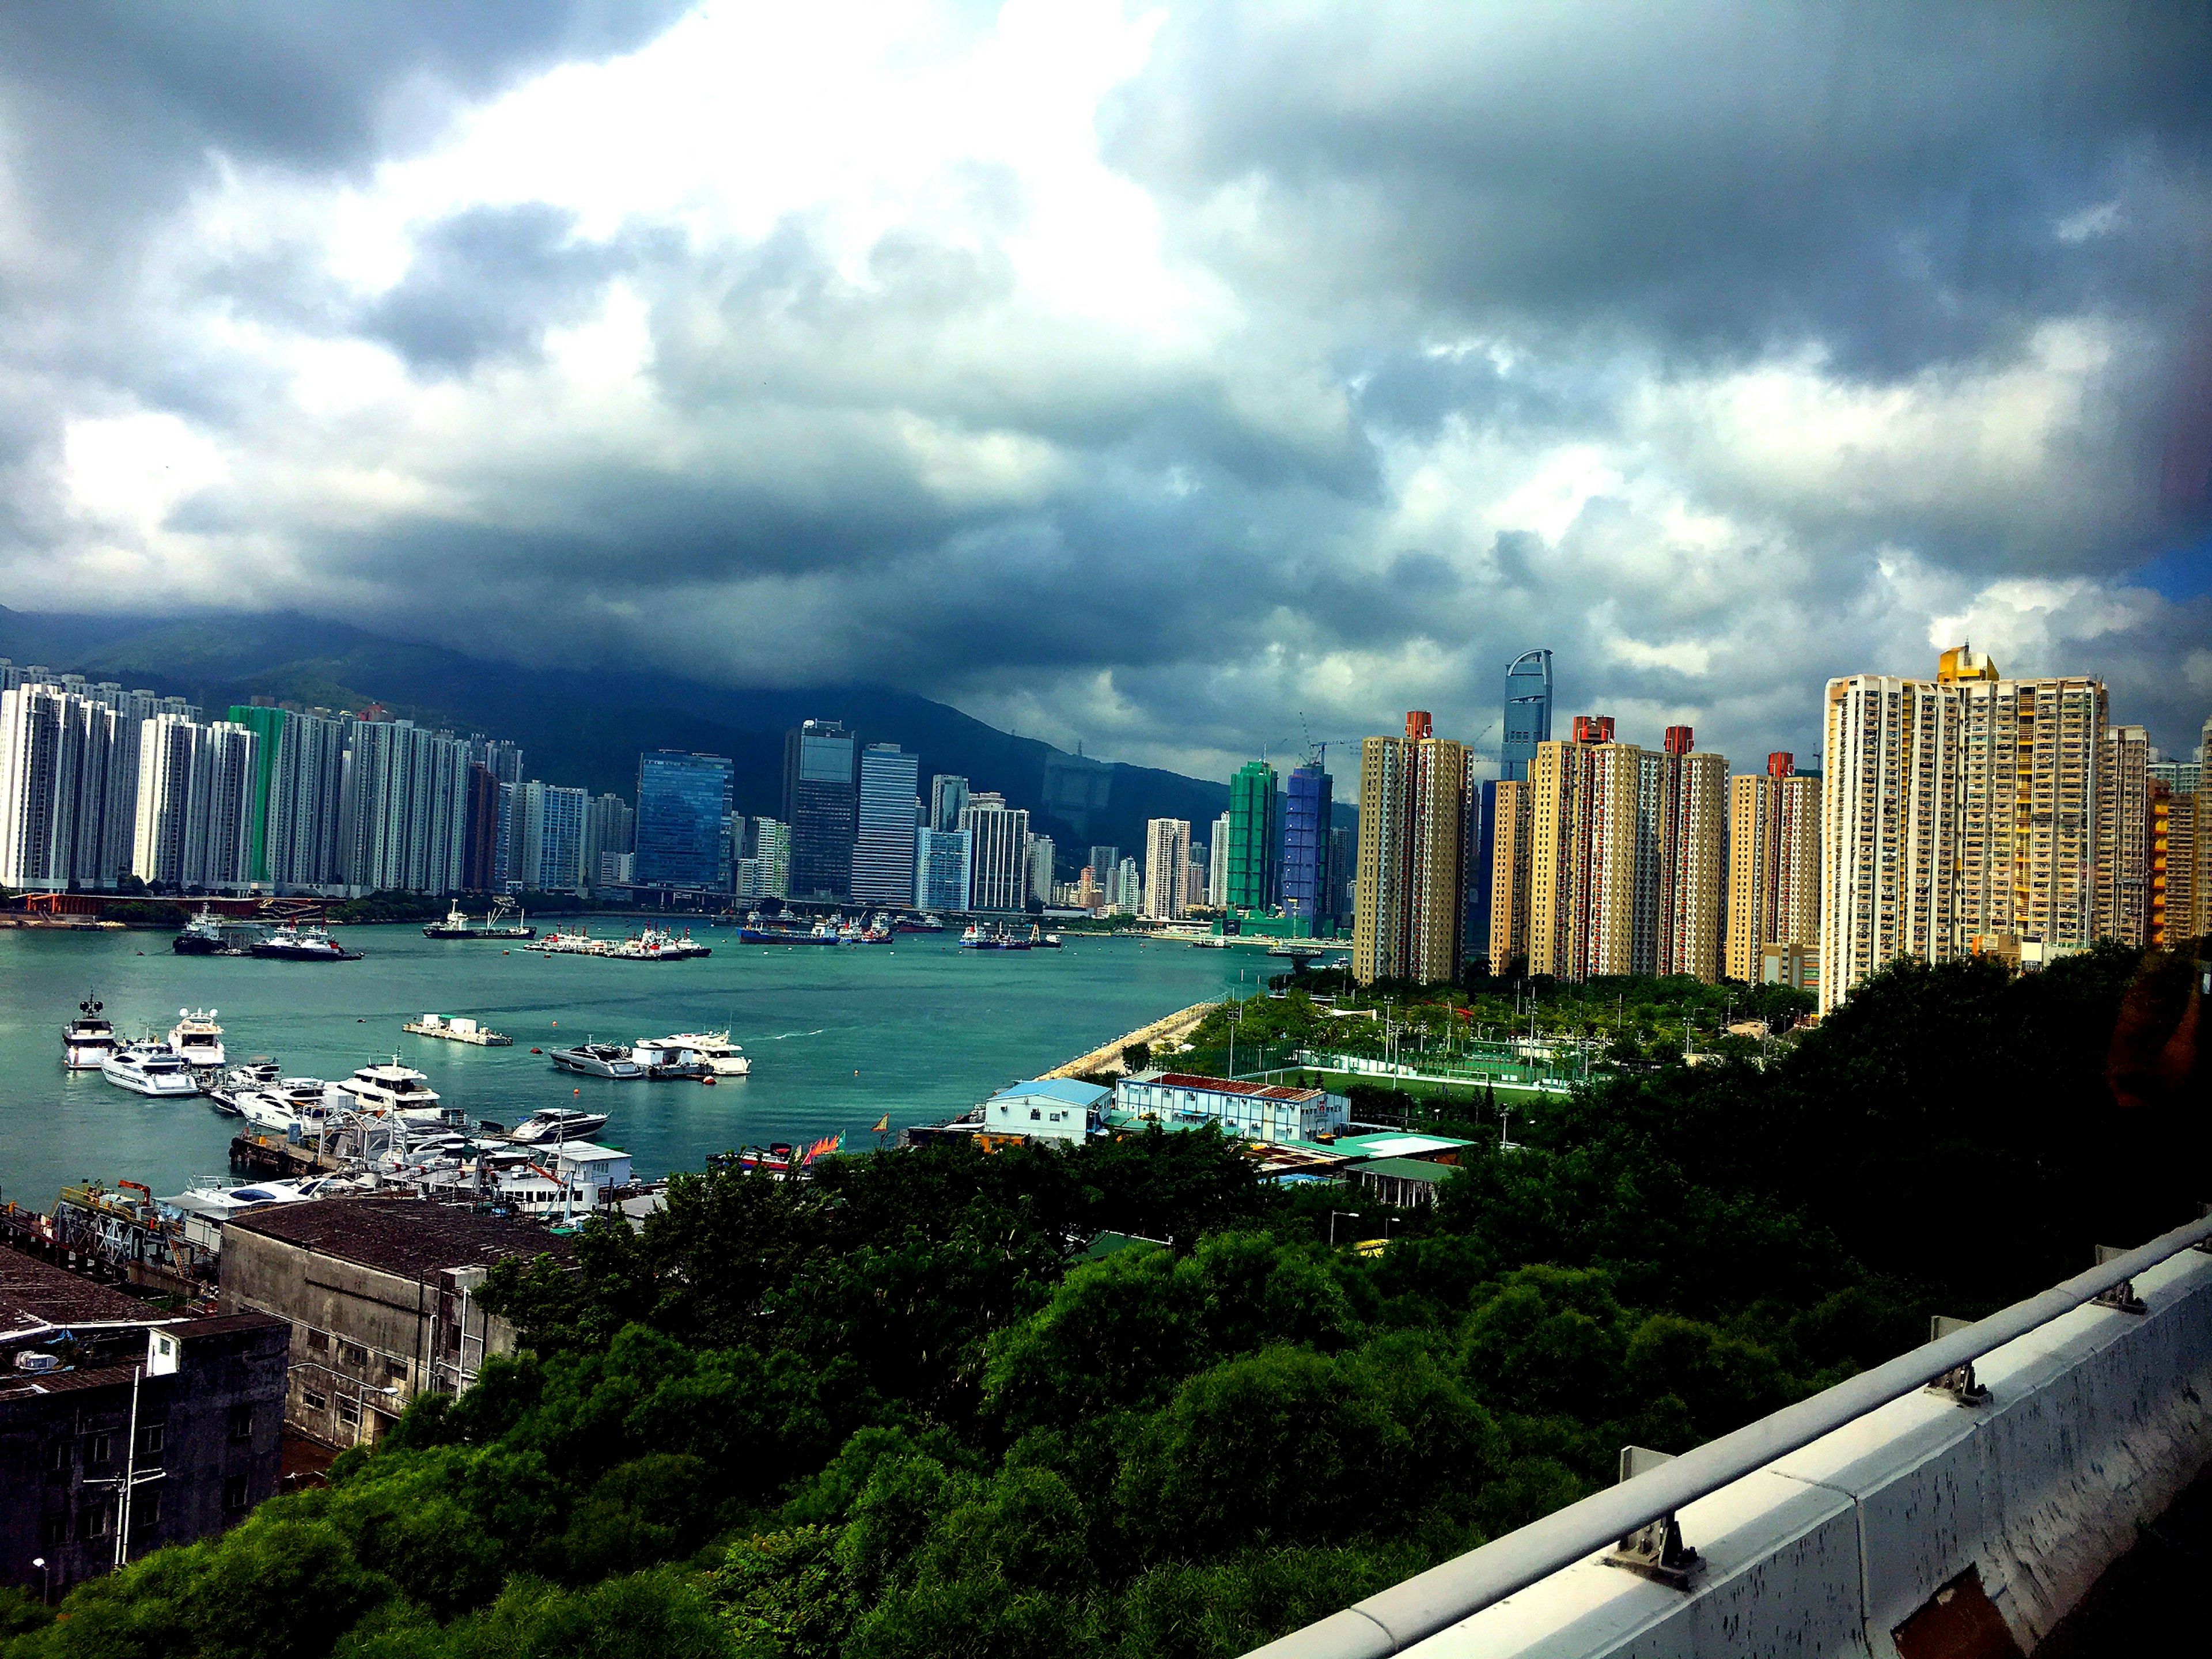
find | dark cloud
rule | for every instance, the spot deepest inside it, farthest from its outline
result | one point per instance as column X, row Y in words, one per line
column 488, row 281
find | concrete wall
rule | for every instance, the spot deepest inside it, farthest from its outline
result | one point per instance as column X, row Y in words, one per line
column 2095, row 1423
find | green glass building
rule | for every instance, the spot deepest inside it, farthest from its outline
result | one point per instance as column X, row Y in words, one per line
column 1255, row 839
column 268, row 725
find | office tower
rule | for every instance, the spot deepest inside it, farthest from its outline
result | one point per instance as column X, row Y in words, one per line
column 772, row 851
column 1042, row 852
column 1167, row 856
column 1105, row 864
column 943, row 872
column 1406, row 924
column 60, row 795
column 1128, row 887
column 480, row 870
column 1693, row 849
column 821, row 800
column 884, row 852
column 1527, row 713
column 1306, row 811
column 2123, row 833
column 1773, row 865
column 682, row 799
column 1953, row 808
column 1255, row 834
column 561, row 839
column 999, row 852
column 166, row 747
column 947, row 795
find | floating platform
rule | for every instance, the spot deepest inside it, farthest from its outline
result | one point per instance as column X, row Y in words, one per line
column 457, row 1030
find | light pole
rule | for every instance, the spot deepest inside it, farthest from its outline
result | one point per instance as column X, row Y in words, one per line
column 45, row 1580
column 1332, row 1215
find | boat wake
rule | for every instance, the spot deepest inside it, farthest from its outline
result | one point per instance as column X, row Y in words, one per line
column 780, row 1036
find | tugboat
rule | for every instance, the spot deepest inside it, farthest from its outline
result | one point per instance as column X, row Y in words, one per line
column 89, row 1039
column 456, row 925
column 202, row 937
column 299, row 942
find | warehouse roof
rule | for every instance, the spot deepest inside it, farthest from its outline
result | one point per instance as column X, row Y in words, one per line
column 404, row 1236
column 35, row 1292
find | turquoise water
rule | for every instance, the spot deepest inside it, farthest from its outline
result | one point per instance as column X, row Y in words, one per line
column 838, row 1037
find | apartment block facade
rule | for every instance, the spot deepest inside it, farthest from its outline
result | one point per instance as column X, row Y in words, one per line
column 1412, row 883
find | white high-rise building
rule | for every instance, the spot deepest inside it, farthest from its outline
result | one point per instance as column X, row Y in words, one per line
column 1127, row 894
column 194, row 821
column 60, row 790
column 1167, row 859
column 168, row 747
column 1217, row 867
column 307, row 798
column 999, row 852
column 404, row 818
column 1041, row 861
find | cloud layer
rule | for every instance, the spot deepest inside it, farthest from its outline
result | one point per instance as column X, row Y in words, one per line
column 1151, row 378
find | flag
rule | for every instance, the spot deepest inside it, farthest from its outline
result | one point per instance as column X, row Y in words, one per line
column 883, row 1124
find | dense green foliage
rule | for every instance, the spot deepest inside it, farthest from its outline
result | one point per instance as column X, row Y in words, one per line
column 895, row 1411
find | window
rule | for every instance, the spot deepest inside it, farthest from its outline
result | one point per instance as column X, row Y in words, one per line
column 395, row 1368
column 54, row 1530
column 314, row 1402
column 234, row 1492
column 57, row 1457
column 318, row 1341
column 145, row 1509
column 98, row 1448
column 98, row 1522
column 1034, row 1115
column 150, row 1439
column 353, row 1354
column 241, row 1422
column 348, row 1410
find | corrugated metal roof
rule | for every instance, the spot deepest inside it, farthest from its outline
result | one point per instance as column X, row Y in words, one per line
column 1222, row 1086
column 403, row 1235
column 35, row 1292
column 1403, row 1168
column 1065, row 1090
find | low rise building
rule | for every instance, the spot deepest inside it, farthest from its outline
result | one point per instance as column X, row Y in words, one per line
column 100, row 1393
column 1054, row 1108
column 1243, row 1111
column 379, row 1292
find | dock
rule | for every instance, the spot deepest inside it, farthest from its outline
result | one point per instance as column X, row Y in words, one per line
column 457, row 1030
column 1107, row 1057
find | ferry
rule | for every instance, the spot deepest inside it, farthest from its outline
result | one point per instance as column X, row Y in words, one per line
column 148, row 1067
column 88, row 1040
column 605, row 1059
column 458, row 925
column 557, row 1124
column 301, row 942
column 198, row 1038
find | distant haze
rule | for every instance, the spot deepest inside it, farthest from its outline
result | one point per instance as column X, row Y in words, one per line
column 1178, row 380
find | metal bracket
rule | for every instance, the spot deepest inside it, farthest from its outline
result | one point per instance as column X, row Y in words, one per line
column 1958, row 1381
column 2203, row 1211
column 2122, row 1298
column 1655, row 1552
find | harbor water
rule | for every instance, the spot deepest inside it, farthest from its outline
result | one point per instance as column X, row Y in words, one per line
column 838, row 1036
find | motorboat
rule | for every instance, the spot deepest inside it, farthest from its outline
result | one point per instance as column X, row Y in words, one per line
column 258, row 1072
column 555, row 1124
column 148, row 1067
column 607, row 1059
column 721, row 1056
column 88, row 1040
column 301, row 942
column 197, row 1037
column 393, row 1090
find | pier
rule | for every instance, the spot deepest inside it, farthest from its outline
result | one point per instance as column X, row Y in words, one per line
column 1158, row 1035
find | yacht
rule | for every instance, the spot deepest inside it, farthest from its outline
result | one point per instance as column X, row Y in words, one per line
column 721, row 1056
column 300, row 942
column 394, row 1090
column 148, row 1067
column 258, row 1072
column 196, row 1037
column 557, row 1123
column 607, row 1059
column 88, row 1040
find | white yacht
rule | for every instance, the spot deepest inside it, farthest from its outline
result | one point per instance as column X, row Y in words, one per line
column 150, row 1068
column 258, row 1072
column 557, row 1124
column 397, row 1090
column 88, row 1040
column 196, row 1037
column 713, row 1048
column 277, row 1107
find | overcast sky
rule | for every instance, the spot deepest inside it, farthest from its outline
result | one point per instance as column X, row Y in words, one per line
column 1143, row 376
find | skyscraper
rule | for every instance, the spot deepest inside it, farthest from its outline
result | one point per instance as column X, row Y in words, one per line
column 2175, row 824
column 1508, row 808
column 1343, row 866
column 301, row 829
column 772, row 853
column 1305, row 845
column 821, row 801
column 999, row 852
column 883, row 853
column 1693, row 849
column 1104, row 862
column 610, row 826
column 2123, row 836
column 947, row 795
column 196, row 790
column 1527, row 713
column 682, row 799
column 942, row 870
column 1167, row 857
column 1961, row 806
column 1774, row 864
column 1255, row 833
column 559, row 824
column 166, row 747
column 1128, row 887
column 480, row 836
column 1217, row 864
column 1412, row 883
column 60, row 794
column 1042, row 852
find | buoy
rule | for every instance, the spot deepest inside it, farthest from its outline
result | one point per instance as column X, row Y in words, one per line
column 575, row 1091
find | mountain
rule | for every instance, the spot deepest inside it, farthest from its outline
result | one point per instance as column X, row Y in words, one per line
column 587, row 727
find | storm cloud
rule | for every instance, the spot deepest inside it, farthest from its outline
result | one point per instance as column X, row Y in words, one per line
column 1179, row 380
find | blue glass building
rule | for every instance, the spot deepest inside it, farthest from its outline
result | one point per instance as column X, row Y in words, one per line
column 682, row 800
column 821, row 801
column 1527, row 713
column 1305, row 846
column 883, row 854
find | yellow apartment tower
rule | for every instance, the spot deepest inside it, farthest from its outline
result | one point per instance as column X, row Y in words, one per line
column 1774, row 864
column 1407, row 914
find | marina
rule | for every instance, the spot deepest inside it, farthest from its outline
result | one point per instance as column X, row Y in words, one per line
column 833, row 1040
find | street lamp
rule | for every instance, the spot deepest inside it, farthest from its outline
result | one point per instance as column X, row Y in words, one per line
column 45, row 1580
column 1332, row 1215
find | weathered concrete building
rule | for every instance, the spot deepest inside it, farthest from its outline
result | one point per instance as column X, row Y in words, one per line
column 379, row 1292
column 101, row 1394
